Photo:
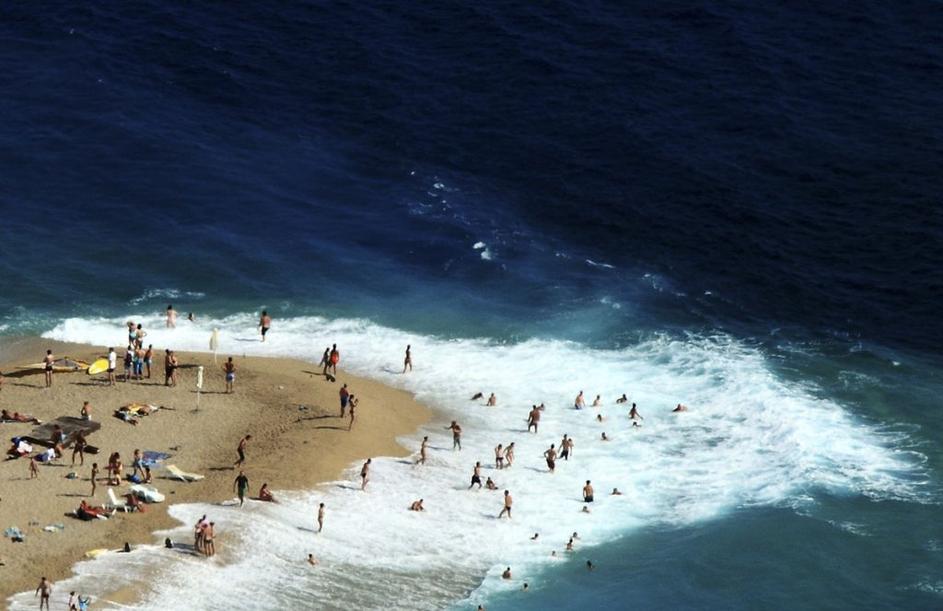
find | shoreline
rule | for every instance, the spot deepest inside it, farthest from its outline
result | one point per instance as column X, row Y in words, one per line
column 291, row 448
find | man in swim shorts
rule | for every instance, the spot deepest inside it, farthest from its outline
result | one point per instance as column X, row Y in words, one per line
column 588, row 492
column 241, row 486
column 476, row 476
column 456, row 435
column 508, row 501
column 265, row 322
column 345, row 396
column 230, row 369
column 364, row 474
column 551, row 456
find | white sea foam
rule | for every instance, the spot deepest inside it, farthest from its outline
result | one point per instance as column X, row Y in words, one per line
column 749, row 439
column 166, row 294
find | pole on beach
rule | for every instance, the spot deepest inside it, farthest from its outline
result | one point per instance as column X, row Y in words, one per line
column 199, row 385
column 214, row 343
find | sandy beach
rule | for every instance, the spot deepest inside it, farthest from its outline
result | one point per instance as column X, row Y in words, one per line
column 291, row 448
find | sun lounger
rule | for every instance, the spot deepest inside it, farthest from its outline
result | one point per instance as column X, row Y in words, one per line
column 117, row 503
column 183, row 475
column 148, row 494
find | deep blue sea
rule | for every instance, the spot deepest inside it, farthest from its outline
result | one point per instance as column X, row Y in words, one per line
column 628, row 188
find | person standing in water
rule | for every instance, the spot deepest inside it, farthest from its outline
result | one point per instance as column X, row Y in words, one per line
column 508, row 501
column 588, row 492
column 499, row 456
column 230, row 368
column 533, row 419
column 171, row 317
column 265, row 322
column 44, row 590
column 551, row 456
column 365, row 474
column 456, row 435
column 579, row 402
column 48, row 362
column 634, row 415
column 240, row 485
column 476, row 476
column 320, row 517
column 408, row 361
column 422, row 451
column 509, row 454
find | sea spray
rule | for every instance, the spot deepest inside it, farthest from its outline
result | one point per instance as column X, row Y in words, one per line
column 749, row 439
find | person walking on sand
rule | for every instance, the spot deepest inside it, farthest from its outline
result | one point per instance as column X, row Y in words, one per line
column 240, row 485
column 78, row 448
column 33, row 468
column 508, row 501
column 112, row 365
column 241, row 451
column 326, row 360
column 456, row 435
column 48, row 362
column 320, row 517
column 365, row 474
column 408, row 361
column 476, row 476
column 230, row 368
column 44, row 590
column 551, row 456
column 265, row 323
column 533, row 419
column 171, row 317
column 94, row 477
column 353, row 409
column 579, row 402
column 345, row 397
column 335, row 358
column 588, row 492
column 422, row 450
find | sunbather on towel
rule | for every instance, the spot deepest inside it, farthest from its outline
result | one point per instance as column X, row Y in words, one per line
column 19, row 448
column 18, row 417
column 88, row 512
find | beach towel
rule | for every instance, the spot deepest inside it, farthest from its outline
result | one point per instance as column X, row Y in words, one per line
column 150, row 458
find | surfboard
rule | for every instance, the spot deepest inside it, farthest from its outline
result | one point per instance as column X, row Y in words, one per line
column 95, row 553
column 59, row 365
column 99, row 366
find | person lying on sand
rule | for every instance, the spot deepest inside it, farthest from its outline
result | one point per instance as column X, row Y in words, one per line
column 18, row 417
column 89, row 512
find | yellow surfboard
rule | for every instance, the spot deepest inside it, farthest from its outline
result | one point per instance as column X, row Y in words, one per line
column 99, row 366
column 95, row 553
